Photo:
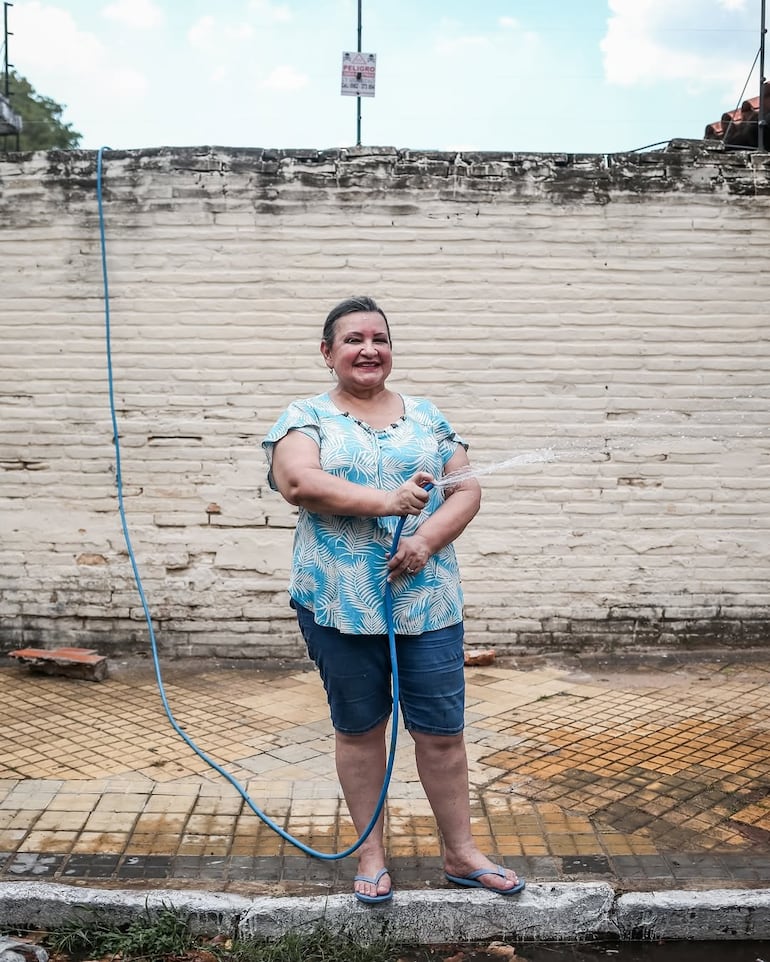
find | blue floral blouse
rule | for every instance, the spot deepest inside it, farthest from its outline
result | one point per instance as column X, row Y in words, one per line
column 339, row 563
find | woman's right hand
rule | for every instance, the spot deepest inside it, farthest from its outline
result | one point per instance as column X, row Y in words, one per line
column 410, row 498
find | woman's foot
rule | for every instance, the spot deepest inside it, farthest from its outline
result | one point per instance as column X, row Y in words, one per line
column 369, row 888
column 479, row 872
column 372, row 882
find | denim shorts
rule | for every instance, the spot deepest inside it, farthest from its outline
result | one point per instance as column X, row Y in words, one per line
column 356, row 674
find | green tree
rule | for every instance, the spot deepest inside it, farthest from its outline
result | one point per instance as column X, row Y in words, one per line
column 43, row 127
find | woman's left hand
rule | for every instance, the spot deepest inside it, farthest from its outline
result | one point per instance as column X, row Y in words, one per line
column 410, row 558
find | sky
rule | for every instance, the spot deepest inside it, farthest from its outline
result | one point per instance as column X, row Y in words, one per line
column 576, row 76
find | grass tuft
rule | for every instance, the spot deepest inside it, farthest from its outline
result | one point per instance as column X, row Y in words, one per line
column 158, row 935
column 320, row 945
column 164, row 936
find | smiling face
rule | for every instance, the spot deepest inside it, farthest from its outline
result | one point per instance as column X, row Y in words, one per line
column 360, row 354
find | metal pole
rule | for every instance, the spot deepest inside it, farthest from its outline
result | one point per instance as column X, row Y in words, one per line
column 6, row 71
column 762, row 106
column 5, row 36
column 358, row 99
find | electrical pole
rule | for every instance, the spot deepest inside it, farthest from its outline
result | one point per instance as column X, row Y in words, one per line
column 358, row 98
column 763, row 107
column 358, row 75
column 10, row 122
column 6, row 35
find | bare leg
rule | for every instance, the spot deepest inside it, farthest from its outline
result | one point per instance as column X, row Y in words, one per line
column 442, row 764
column 361, row 763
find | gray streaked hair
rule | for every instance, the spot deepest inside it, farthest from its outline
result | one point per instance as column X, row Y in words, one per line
column 351, row 305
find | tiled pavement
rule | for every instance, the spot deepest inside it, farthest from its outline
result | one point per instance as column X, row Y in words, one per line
column 648, row 778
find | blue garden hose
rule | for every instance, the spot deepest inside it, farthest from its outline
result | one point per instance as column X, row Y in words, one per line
column 388, row 601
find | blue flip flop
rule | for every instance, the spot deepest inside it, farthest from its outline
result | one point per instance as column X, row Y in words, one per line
column 373, row 899
column 471, row 880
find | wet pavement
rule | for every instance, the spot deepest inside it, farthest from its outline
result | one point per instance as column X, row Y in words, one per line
column 648, row 777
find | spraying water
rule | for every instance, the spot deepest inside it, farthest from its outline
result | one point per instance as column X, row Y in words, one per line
column 651, row 427
column 536, row 456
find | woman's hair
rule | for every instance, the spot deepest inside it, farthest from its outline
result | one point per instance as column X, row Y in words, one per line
column 350, row 306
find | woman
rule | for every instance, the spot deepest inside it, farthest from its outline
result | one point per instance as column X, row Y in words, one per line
column 355, row 460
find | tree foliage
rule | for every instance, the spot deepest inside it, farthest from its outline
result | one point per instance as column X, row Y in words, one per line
column 43, row 127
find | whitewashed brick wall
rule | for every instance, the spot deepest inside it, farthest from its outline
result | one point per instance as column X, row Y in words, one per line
column 613, row 308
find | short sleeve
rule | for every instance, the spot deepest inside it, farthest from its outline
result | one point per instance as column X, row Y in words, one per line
column 448, row 439
column 298, row 416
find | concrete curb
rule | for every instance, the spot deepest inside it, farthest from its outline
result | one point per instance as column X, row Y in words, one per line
column 540, row 913
column 742, row 914
column 546, row 912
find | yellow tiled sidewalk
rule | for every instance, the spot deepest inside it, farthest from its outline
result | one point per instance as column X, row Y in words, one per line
column 647, row 778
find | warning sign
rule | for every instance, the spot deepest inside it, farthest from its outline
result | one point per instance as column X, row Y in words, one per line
column 358, row 74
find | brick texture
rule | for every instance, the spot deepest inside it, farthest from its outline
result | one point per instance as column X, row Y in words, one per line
column 610, row 309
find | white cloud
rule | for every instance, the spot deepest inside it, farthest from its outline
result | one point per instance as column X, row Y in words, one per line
column 286, row 77
column 218, row 75
column 278, row 13
column 702, row 43
column 199, row 33
column 488, row 49
column 209, row 36
column 69, row 64
column 47, row 41
column 139, row 14
column 449, row 46
column 243, row 53
column 127, row 83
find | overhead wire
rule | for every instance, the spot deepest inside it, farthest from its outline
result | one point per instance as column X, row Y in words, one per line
column 743, row 92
